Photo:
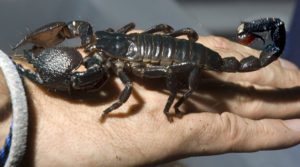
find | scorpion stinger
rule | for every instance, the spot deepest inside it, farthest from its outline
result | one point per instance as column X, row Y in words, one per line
column 246, row 33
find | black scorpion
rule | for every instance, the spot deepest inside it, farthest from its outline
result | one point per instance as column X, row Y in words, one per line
column 144, row 54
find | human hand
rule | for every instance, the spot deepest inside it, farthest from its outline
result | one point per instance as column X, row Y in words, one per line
column 245, row 115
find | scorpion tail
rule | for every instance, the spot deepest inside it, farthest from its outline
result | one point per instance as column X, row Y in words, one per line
column 248, row 32
column 251, row 63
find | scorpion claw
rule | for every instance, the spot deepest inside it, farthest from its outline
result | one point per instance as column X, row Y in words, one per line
column 54, row 33
column 80, row 29
column 46, row 36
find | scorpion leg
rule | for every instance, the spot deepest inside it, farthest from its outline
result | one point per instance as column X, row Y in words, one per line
column 193, row 83
column 160, row 28
column 128, row 27
column 169, row 73
column 93, row 78
column 247, row 32
column 190, row 33
column 124, row 95
column 171, row 83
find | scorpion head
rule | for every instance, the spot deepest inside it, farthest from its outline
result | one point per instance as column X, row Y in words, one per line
column 113, row 44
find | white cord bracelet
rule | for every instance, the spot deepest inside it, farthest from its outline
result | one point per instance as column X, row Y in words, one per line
column 19, row 109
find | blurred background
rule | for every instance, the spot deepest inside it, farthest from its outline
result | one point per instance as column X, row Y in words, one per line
column 207, row 17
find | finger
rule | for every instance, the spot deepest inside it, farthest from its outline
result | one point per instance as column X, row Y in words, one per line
column 245, row 99
column 214, row 134
column 4, row 93
column 287, row 64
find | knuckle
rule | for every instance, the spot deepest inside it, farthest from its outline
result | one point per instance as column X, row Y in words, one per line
column 263, row 128
column 248, row 105
column 230, row 126
column 235, row 131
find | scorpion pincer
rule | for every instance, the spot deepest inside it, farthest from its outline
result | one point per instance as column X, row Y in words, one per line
column 145, row 54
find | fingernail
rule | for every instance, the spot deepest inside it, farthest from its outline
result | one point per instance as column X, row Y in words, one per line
column 287, row 64
column 293, row 124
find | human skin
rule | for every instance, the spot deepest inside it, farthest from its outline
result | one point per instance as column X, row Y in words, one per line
column 230, row 112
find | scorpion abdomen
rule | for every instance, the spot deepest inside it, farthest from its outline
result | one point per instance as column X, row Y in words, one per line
column 166, row 50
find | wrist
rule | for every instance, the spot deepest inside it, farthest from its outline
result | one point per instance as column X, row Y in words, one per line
column 5, row 110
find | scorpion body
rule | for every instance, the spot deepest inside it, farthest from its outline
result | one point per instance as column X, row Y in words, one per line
column 143, row 54
column 162, row 50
